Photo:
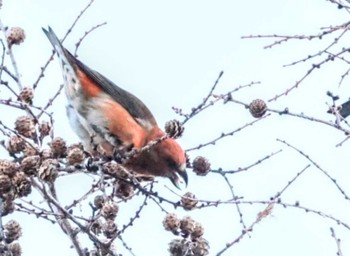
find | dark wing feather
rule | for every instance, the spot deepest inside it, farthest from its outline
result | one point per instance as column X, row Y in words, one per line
column 345, row 109
column 130, row 102
column 63, row 55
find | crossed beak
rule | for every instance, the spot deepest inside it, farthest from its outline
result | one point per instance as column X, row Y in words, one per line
column 180, row 177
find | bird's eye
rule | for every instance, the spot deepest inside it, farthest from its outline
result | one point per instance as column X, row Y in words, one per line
column 171, row 163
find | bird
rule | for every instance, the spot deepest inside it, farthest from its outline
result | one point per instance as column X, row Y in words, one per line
column 341, row 111
column 344, row 109
column 105, row 116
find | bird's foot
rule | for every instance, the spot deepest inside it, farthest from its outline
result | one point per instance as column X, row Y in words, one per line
column 91, row 165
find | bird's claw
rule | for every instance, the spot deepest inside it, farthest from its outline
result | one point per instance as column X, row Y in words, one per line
column 90, row 164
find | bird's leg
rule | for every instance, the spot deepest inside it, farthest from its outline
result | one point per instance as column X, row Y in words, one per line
column 94, row 162
column 92, row 155
column 90, row 163
column 93, row 144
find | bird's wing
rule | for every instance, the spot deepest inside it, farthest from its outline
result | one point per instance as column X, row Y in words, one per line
column 137, row 109
column 131, row 103
column 345, row 109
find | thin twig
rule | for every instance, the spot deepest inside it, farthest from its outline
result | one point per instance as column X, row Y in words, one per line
column 125, row 245
column 195, row 110
column 216, row 98
column 51, row 200
column 223, row 135
column 6, row 83
column 65, row 225
column 333, row 180
column 85, row 35
column 12, row 57
column 286, row 111
column 50, row 101
column 234, row 197
column 132, row 219
column 243, row 169
column 285, row 38
column 337, row 242
column 77, row 19
column 43, row 69
column 290, row 183
column 261, row 215
column 2, row 57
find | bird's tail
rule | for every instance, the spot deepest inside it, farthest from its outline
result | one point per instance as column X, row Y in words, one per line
column 65, row 57
column 59, row 49
column 66, row 60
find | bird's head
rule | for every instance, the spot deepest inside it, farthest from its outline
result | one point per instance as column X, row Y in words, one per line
column 165, row 159
column 171, row 161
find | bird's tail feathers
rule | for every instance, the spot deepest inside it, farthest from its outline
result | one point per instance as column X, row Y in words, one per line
column 66, row 62
column 56, row 43
column 61, row 52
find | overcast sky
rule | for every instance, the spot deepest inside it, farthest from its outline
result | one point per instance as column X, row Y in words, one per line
column 169, row 53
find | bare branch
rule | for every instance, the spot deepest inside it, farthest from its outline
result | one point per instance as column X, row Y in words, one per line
column 12, row 57
column 333, row 180
column 85, row 35
column 223, row 135
column 337, row 241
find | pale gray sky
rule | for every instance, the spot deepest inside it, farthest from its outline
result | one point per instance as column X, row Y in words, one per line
column 169, row 53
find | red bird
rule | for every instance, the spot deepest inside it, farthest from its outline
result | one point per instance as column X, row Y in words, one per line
column 106, row 116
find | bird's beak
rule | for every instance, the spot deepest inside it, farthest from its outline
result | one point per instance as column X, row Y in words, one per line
column 180, row 177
